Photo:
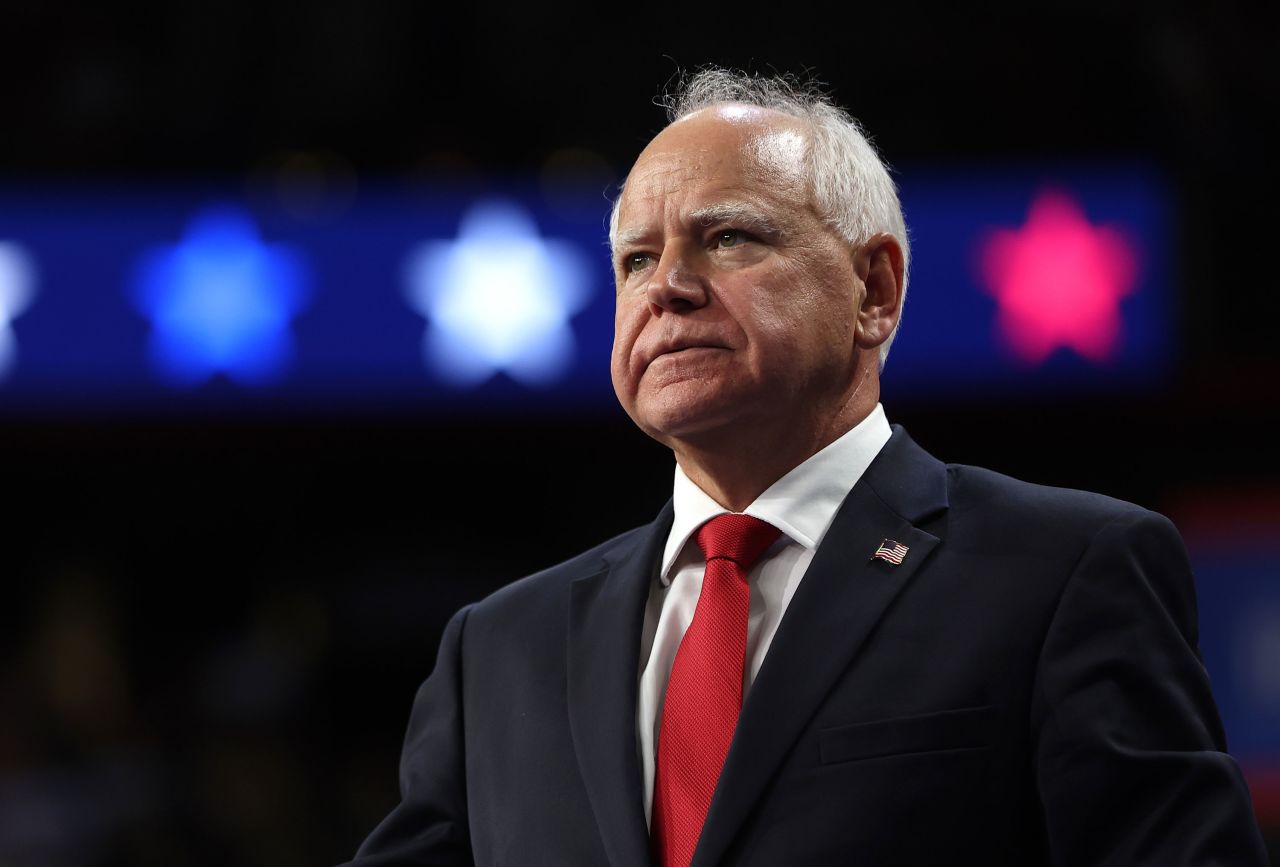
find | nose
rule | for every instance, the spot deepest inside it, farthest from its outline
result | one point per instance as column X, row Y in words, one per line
column 675, row 285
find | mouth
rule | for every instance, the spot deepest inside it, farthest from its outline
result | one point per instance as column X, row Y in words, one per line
column 686, row 350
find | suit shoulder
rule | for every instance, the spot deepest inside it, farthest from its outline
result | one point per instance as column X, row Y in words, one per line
column 1018, row 512
column 970, row 485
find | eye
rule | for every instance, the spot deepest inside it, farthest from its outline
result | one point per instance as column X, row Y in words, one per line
column 730, row 238
column 633, row 262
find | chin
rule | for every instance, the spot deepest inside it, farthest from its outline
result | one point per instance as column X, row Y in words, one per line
column 668, row 420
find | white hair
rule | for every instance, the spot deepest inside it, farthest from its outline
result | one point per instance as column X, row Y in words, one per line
column 850, row 184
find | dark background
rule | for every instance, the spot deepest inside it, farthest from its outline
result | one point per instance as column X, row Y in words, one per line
column 213, row 624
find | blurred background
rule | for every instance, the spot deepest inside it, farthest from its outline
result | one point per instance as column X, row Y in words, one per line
column 297, row 299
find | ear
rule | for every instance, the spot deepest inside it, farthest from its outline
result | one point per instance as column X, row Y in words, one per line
column 878, row 263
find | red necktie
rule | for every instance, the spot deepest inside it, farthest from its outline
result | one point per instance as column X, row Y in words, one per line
column 704, row 694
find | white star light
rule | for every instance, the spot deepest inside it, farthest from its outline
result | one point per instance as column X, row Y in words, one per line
column 17, row 289
column 498, row 298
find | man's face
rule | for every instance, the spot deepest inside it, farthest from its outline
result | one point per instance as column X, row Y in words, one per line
column 736, row 303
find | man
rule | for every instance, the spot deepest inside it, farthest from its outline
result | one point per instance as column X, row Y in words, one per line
column 829, row 648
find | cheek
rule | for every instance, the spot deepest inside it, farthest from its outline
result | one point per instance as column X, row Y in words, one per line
column 786, row 309
column 628, row 322
column 800, row 320
column 825, row 295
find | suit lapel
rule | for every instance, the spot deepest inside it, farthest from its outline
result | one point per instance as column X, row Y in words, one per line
column 606, row 615
column 843, row 595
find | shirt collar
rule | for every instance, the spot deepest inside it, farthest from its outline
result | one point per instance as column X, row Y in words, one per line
column 801, row 504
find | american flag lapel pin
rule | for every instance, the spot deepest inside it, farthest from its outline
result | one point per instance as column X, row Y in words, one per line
column 891, row 552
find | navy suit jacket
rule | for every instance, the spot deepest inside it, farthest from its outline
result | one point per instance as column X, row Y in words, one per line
column 1024, row 689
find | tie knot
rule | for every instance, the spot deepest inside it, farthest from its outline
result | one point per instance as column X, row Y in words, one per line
column 740, row 538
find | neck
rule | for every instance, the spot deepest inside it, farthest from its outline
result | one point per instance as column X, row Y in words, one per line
column 735, row 470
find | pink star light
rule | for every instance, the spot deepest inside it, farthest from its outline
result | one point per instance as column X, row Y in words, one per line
column 1058, row 281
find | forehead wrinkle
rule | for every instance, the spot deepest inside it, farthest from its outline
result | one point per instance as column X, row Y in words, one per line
column 646, row 186
column 772, row 154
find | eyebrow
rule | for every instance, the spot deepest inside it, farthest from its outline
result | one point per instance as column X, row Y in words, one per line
column 738, row 213
column 629, row 238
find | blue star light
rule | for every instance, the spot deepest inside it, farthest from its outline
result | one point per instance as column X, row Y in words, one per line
column 17, row 290
column 497, row 298
column 221, row 301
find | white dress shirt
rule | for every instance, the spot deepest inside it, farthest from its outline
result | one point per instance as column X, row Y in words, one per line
column 802, row 505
